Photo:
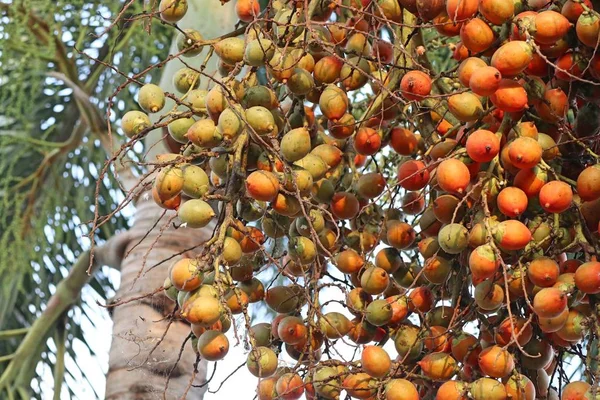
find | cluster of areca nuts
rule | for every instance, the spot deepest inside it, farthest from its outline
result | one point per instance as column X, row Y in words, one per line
column 455, row 215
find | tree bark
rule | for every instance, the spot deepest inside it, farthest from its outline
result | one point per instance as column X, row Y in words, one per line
column 142, row 357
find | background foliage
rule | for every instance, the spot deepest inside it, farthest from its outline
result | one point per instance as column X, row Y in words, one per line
column 53, row 143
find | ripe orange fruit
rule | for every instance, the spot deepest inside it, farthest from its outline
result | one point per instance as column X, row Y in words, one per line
column 289, row 386
column 420, row 298
column 483, row 262
column 344, row 205
column 504, row 331
column 587, row 277
column 437, row 339
column 438, row 366
column 512, row 201
column 512, row 58
column 460, row 10
column 446, row 26
column 401, row 389
column 467, row 67
column 570, row 66
column 185, row 274
column 485, row 81
column 575, row 391
column 510, row 96
column 483, row 145
column 588, row 183
column 453, row 176
column 413, row 175
column 476, row 35
column 520, row 387
column 496, row 362
column 550, row 26
column 262, row 185
column 530, row 181
column 375, row 361
column 415, row 85
column 367, row 141
column 549, row 302
column 452, row 390
column 497, row 11
column 511, row 235
column 588, row 29
column 525, row 153
column 247, row 10
column 543, row 272
column 349, row 261
column 213, row 345
column 466, row 348
column 400, row 234
column 403, row 141
column 572, row 10
column 556, row 197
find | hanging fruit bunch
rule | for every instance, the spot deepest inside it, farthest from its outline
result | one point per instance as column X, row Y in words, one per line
column 431, row 166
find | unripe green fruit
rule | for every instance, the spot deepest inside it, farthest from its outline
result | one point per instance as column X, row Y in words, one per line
column 334, row 325
column 358, row 44
column 195, row 181
column 229, row 124
column 172, row 10
column 170, row 291
column 303, row 180
column 453, row 238
column 262, row 362
column 230, row 50
column 232, row 251
column 151, row 98
column 407, row 342
column 301, row 82
column 262, row 334
column 288, row 24
column 275, row 225
column 316, row 218
column 207, row 290
column 186, row 79
column 133, row 122
column 302, row 250
column 355, row 73
column 187, row 39
column 282, row 299
column 379, row 312
column 179, row 128
column 251, row 211
column 327, row 382
column 313, row 164
column 323, row 191
column 204, row 133
column 295, row 144
column 220, row 165
column 261, row 120
column 259, row 96
column 196, row 213
column 259, row 52
column 196, row 99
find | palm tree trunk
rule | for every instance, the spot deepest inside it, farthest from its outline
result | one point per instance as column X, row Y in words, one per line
column 142, row 356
